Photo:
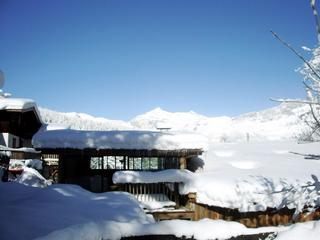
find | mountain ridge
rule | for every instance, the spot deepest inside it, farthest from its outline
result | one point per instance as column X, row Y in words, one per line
column 276, row 123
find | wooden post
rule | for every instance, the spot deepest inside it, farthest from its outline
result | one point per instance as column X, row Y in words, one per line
column 182, row 163
column 176, row 194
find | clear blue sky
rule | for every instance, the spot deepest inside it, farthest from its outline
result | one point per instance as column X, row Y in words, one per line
column 120, row 58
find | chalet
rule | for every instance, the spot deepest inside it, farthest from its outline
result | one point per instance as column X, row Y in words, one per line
column 90, row 158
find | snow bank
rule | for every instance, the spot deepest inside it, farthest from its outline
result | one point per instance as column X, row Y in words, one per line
column 170, row 175
column 31, row 177
column 204, row 229
column 307, row 230
column 68, row 138
column 30, row 212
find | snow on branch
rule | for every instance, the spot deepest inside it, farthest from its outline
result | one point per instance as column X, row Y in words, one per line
column 297, row 54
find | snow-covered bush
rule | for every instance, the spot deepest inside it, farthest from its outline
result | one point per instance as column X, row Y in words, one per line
column 31, row 177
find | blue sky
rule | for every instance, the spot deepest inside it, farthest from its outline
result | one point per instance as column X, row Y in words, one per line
column 117, row 59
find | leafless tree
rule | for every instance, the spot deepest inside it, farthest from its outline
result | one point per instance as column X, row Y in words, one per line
column 311, row 81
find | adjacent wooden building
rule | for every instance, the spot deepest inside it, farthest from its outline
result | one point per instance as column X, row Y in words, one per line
column 19, row 121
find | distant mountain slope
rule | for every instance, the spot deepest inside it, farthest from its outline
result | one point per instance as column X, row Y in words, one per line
column 81, row 121
column 280, row 122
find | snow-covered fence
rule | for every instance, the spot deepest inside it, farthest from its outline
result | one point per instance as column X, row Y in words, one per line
column 269, row 217
column 158, row 192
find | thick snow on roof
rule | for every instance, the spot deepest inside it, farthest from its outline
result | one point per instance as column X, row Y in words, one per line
column 23, row 149
column 68, row 138
column 16, row 103
column 170, row 175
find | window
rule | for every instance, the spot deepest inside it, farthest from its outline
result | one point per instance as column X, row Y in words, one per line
column 96, row 163
column 134, row 163
column 107, row 162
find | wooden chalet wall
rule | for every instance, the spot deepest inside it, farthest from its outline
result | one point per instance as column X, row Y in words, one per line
column 23, row 123
column 74, row 169
column 74, row 164
column 270, row 217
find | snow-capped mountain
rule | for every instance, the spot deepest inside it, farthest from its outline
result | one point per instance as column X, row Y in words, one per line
column 81, row 121
column 280, row 122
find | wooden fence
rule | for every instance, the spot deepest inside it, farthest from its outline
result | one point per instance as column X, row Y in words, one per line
column 270, row 217
column 145, row 192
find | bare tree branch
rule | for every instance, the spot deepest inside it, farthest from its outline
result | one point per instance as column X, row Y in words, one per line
column 316, row 16
column 314, row 116
column 307, row 86
column 297, row 54
column 294, row 101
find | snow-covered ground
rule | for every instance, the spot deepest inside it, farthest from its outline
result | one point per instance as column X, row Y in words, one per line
column 31, row 212
column 70, row 212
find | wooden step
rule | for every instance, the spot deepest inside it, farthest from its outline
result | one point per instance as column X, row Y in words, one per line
column 183, row 214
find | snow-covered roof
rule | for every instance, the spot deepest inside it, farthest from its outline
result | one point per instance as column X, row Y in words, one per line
column 23, row 149
column 21, row 105
column 16, row 103
column 147, row 140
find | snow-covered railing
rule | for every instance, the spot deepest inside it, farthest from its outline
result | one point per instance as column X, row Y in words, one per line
column 149, row 192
